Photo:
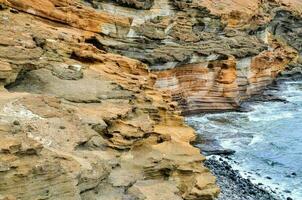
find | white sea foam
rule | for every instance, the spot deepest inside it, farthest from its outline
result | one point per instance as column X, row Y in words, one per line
column 268, row 112
column 256, row 139
column 257, row 118
column 267, row 140
column 267, row 184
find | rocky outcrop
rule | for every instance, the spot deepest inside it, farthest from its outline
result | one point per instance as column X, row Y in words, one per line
column 6, row 75
column 77, row 122
column 140, row 4
column 222, row 85
column 210, row 55
column 79, row 115
column 287, row 28
column 73, row 13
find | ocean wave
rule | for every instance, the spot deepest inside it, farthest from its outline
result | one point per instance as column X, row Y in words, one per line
column 267, row 140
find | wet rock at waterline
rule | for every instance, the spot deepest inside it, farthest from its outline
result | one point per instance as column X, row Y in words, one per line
column 210, row 146
column 233, row 185
column 267, row 141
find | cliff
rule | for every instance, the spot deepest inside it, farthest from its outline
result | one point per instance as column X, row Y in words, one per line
column 208, row 55
column 77, row 122
column 80, row 114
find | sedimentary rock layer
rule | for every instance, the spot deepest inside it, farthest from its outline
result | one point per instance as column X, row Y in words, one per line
column 222, row 85
column 210, row 55
column 79, row 115
column 77, row 122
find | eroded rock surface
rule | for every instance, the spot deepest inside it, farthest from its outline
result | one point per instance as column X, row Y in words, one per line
column 210, row 55
column 79, row 115
column 77, row 122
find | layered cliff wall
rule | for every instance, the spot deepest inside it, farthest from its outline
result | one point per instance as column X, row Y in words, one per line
column 208, row 55
column 77, row 122
column 79, row 115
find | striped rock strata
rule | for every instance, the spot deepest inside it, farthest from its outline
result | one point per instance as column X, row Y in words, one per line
column 209, row 55
column 77, row 122
column 79, row 115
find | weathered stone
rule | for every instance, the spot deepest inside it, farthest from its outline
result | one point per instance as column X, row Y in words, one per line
column 140, row 4
column 71, row 72
column 122, row 137
column 6, row 74
column 73, row 13
column 91, row 124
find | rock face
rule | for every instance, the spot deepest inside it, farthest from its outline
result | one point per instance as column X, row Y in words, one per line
column 74, row 14
column 210, row 55
column 80, row 117
column 77, row 122
column 222, row 85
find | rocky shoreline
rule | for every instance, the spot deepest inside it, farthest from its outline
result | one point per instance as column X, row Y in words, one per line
column 221, row 163
column 92, row 92
column 233, row 186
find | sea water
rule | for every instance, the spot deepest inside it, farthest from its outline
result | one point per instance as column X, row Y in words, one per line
column 267, row 140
